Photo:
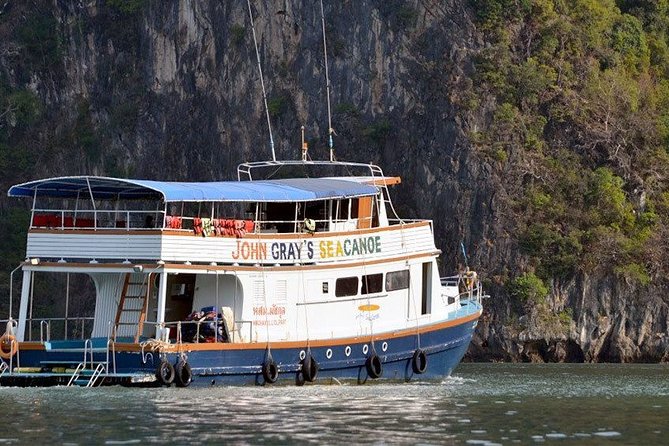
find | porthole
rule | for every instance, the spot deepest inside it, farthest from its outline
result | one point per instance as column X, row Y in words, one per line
column 384, row 346
column 328, row 353
column 303, row 355
column 347, row 351
column 365, row 349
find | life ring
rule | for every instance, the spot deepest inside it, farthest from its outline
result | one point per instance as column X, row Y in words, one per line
column 8, row 346
column 419, row 361
column 374, row 366
column 270, row 372
column 165, row 373
column 309, row 368
column 183, row 374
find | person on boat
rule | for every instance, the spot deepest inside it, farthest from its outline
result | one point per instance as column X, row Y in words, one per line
column 470, row 278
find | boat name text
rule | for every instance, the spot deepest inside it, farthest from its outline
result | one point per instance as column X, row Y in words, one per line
column 305, row 249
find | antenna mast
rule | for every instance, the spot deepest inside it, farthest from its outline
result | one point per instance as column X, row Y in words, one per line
column 262, row 83
column 327, row 82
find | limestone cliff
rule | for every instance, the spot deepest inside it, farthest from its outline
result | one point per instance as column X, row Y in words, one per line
column 170, row 89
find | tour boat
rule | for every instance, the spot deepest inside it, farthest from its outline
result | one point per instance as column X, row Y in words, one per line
column 294, row 279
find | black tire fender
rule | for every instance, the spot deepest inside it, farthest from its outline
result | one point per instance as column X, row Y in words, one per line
column 419, row 361
column 309, row 368
column 270, row 371
column 374, row 366
column 183, row 374
column 165, row 373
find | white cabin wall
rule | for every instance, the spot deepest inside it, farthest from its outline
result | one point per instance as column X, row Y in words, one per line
column 270, row 305
column 323, row 315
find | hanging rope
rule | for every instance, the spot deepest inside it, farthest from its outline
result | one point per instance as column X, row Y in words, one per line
column 327, row 83
column 262, row 83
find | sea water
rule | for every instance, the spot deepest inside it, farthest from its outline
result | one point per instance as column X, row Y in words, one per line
column 480, row 404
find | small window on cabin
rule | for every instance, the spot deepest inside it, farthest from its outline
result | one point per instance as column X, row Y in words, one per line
column 326, row 288
column 346, row 286
column 372, row 283
column 397, row 280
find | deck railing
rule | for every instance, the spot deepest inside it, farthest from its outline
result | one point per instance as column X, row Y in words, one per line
column 78, row 328
column 206, row 331
column 471, row 290
column 96, row 219
column 82, row 219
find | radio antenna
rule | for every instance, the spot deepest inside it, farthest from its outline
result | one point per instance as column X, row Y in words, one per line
column 262, row 83
column 327, row 83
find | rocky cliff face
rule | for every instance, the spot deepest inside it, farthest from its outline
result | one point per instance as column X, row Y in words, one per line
column 154, row 89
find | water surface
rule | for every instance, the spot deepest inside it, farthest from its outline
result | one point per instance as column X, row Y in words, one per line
column 480, row 404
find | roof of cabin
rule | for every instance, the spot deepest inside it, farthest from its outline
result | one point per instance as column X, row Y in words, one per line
column 284, row 190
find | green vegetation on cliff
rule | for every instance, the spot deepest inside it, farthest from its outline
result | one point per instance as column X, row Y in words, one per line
column 580, row 131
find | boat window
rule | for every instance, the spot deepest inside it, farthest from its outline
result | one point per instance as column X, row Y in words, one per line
column 397, row 280
column 372, row 283
column 326, row 288
column 316, row 211
column 278, row 217
column 346, row 286
column 341, row 210
column 354, row 208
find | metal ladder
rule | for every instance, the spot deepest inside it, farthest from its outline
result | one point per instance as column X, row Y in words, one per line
column 88, row 358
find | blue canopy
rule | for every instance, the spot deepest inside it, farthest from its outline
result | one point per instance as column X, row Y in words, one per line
column 285, row 190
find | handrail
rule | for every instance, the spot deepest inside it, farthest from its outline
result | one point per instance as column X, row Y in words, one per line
column 41, row 331
column 246, row 168
column 96, row 373
column 86, row 344
column 3, row 367
column 76, row 374
column 110, row 342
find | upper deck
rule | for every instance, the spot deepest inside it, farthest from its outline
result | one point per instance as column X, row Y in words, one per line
column 267, row 222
